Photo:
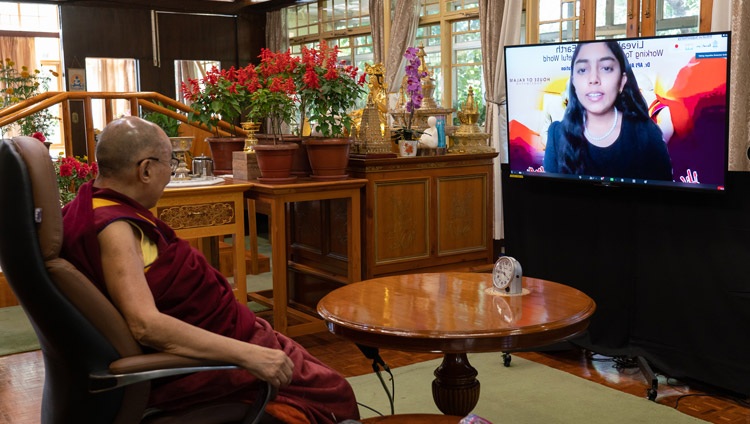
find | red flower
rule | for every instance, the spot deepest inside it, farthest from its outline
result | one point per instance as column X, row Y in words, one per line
column 66, row 169
column 311, row 78
column 72, row 173
column 39, row 136
column 331, row 74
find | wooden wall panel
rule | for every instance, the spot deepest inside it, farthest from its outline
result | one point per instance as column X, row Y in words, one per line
column 121, row 32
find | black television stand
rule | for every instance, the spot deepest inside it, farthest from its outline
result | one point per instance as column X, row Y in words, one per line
column 650, row 377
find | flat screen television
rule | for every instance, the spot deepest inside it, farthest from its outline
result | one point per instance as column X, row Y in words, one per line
column 674, row 90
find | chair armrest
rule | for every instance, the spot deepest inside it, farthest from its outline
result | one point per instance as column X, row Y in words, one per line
column 155, row 361
column 146, row 367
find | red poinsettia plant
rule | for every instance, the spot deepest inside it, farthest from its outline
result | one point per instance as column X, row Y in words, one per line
column 251, row 92
column 272, row 89
column 327, row 89
column 219, row 95
column 72, row 172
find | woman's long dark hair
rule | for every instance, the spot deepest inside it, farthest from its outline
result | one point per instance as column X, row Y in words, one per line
column 629, row 102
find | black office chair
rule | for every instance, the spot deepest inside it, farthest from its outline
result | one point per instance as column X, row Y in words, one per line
column 95, row 372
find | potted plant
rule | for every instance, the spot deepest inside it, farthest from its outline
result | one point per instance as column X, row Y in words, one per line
column 406, row 136
column 220, row 95
column 19, row 85
column 72, row 173
column 181, row 145
column 171, row 126
column 327, row 90
column 271, row 91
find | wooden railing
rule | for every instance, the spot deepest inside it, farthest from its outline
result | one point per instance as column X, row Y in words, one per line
column 148, row 100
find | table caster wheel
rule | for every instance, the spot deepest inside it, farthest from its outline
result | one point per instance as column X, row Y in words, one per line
column 506, row 359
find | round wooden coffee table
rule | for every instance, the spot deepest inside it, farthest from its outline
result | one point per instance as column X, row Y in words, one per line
column 454, row 314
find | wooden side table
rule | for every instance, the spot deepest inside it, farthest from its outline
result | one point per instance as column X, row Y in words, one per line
column 277, row 196
column 208, row 212
column 455, row 314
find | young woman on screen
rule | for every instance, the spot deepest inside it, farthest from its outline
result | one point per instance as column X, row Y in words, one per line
column 606, row 130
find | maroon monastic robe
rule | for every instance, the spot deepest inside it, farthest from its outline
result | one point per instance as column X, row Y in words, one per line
column 186, row 287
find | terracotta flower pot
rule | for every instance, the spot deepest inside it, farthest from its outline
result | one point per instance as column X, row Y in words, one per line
column 300, row 162
column 275, row 162
column 221, row 152
column 329, row 157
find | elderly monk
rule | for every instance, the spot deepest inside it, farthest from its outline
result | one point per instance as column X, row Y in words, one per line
column 173, row 300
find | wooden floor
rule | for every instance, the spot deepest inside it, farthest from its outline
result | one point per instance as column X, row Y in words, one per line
column 22, row 375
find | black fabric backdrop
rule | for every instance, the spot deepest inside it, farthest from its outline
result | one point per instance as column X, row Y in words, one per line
column 668, row 269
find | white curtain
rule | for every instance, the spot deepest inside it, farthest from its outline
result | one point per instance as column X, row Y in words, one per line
column 510, row 34
column 721, row 15
column 377, row 17
column 403, row 33
column 111, row 75
column 20, row 50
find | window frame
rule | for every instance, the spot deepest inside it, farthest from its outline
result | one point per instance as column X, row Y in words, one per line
column 640, row 21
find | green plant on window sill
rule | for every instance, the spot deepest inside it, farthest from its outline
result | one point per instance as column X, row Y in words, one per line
column 170, row 125
column 19, row 85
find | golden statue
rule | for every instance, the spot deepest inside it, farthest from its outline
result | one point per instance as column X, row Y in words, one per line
column 469, row 138
column 378, row 95
column 469, row 113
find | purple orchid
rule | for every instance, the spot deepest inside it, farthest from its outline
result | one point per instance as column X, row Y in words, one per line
column 413, row 86
column 413, row 80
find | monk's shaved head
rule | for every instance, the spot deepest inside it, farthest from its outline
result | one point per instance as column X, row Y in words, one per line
column 125, row 141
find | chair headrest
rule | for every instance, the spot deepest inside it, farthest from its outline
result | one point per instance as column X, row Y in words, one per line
column 45, row 192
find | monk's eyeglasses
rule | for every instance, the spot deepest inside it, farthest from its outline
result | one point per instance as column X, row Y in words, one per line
column 173, row 161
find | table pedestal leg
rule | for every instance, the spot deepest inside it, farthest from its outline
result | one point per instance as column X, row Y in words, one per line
column 455, row 388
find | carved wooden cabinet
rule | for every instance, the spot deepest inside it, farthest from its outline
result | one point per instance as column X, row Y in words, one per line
column 420, row 214
column 426, row 214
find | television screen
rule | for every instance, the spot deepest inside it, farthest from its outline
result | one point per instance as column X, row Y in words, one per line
column 649, row 111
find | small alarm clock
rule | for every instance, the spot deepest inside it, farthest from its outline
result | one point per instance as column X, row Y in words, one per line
column 506, row 275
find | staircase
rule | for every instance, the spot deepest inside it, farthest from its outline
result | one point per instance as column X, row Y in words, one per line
column 73, row 100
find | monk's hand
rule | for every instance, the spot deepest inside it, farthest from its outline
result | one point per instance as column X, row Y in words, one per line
column 271, row 365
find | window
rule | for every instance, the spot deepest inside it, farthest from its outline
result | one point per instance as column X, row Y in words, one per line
column 345, row 23
column 429, row 7
column 327, row 19
column 448, row 30
column 343, row 14
column 452, row 43
column 28, row 17
column 302, row 21
column 429, row 37
column 567, row 20
column 111, row 75
column 456, row 5
column 467, row 63
column 39, row 26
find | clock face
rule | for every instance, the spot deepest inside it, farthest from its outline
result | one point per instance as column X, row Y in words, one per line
column 503, row 272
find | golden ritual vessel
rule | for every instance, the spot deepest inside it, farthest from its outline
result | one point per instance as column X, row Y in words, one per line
column 469, row 138
column 370, row 141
